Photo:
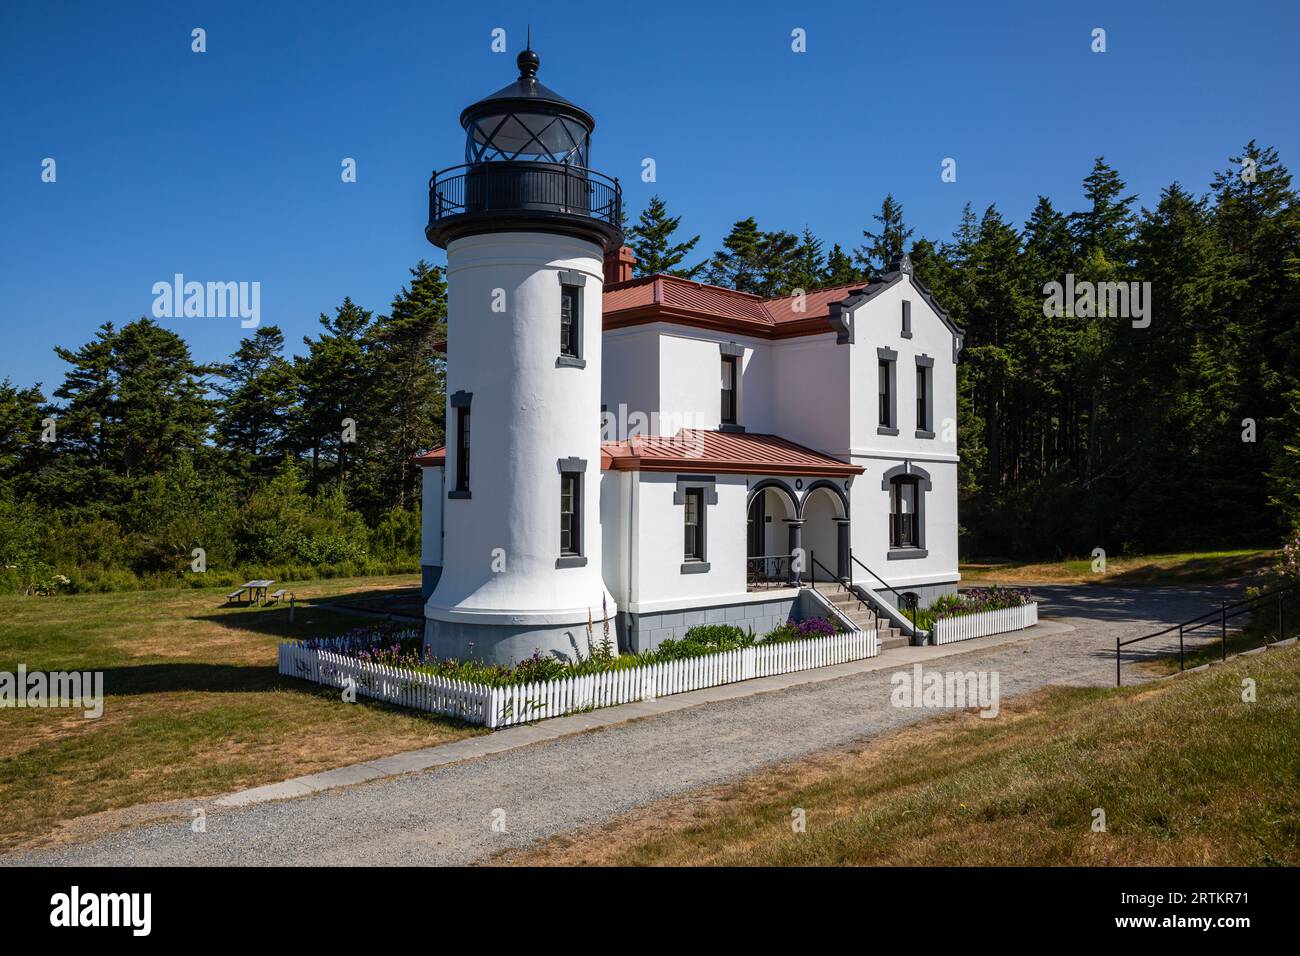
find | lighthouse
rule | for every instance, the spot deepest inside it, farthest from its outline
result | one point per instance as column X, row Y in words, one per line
column 526, row 224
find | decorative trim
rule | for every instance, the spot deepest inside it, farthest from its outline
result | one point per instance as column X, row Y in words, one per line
column 841, row 319
column 461, row 399
column 571, row 561
column 923, row 434
column 724, row 427
column 707, row 482
column 569, row 277
column 906, row 469
column 569, row 466
column 570, row 361
column 834, row 489
column 906, row 554
column 882, row 430
column 924, row 361
column 457, row 494
column 695, row 567
column 732, row 349
column 886, row 355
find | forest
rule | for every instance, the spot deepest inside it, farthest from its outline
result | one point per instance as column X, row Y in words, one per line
column 1077, row 429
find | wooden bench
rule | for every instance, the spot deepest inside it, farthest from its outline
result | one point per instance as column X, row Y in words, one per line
column 275, row 597
column 237, row 595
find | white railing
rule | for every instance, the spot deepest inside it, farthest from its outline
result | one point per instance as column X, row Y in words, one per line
column 521, row 703
column 963, row 627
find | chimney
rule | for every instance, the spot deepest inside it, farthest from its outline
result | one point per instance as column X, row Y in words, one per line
column 618, row 265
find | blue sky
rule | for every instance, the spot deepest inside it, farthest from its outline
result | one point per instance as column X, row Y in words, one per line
column 225, row 165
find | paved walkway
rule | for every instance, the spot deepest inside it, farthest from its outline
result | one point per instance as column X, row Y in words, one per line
column 463, row 811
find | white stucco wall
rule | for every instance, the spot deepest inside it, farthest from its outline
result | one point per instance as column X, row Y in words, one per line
column 526, row 415
column 431, row 500
column 877, row 324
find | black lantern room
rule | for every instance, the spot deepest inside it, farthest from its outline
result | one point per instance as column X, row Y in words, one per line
column 526, row 155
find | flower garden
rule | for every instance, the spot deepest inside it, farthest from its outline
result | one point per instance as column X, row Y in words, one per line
column 400, row 646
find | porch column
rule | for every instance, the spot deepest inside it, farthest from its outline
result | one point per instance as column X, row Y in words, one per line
column 796, row 548
column 842, row 547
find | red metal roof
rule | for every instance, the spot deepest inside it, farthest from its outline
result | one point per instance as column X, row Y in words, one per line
column 664, row 298
column 723, row 453
column 434, row 456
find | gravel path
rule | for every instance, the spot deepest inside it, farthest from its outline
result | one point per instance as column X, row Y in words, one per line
column 447, row 815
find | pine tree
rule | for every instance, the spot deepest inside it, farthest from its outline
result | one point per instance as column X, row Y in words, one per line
column 259, row 393
column 651, row 242
column 840, row 269
column 807, row 264
column 334, row 380
column 739, row 264
column 409, row 391
column 889, row 242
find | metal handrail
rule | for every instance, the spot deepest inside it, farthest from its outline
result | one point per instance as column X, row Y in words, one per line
column 1222, row 613
column 853, row 559
column 573, row 190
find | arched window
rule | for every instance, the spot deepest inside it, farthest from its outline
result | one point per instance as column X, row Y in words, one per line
column 907, row 486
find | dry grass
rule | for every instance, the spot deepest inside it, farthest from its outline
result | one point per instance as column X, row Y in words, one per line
column 193, row 705
column 1197, row 567
column 1187, row 773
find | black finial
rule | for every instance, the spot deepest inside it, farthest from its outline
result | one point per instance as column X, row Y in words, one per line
column 528, row 60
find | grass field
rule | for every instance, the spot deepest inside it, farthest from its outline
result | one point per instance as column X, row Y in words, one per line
column 193, row 704
column 1192, row 567
column 1186, row 772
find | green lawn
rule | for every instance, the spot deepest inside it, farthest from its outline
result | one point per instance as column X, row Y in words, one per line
column 1186, row 772
column 1191, row 567
column 193, row 703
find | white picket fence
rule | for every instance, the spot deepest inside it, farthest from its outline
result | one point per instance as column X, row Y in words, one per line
column 963, row 627
column 521, row 703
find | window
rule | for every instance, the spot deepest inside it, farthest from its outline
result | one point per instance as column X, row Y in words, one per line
column 570, row 321
column 462, row 449
column 922, row 399
column 729, row 367
column 907, row 320
column 886, row 401
column 571, row 514
column 694, row 550
column 904, row 523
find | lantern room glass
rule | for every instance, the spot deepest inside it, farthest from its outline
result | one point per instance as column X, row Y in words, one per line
column 527, row 136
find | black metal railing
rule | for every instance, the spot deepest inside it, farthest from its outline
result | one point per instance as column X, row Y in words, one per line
column 768, row 570
column 524, row 186
column 853, row 559
column 1218, row 618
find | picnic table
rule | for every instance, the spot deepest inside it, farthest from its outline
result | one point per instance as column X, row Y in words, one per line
column 256, row 591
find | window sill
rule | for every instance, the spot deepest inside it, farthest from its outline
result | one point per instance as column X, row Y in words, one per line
column 571, row 561
column 920, row 433
column 570, row 361
column 905, row 334
column 695, row 567
column 882, row 430
column 729, row 427
column 906, row 554
column 458, row 494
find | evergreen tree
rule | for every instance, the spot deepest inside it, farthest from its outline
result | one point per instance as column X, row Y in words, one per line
column 807, row 263
column 651, row 242
column 891, row 241
column 334, row 379
column 259, row 395
column 739, row 263
column 840, row 269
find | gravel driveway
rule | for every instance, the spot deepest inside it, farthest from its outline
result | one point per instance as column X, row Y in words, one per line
column 447, row 815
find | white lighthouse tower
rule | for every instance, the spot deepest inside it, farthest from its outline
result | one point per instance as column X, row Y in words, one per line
column 526, row 225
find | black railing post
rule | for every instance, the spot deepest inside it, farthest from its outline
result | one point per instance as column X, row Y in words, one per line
column 1223, row 626
column 812, row 569
column 1181, row 659
column 1117, row 662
